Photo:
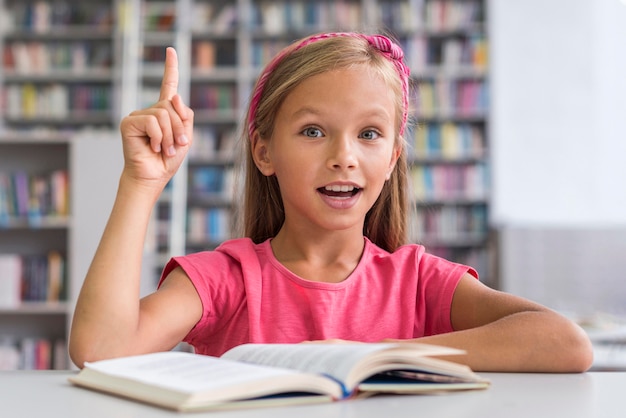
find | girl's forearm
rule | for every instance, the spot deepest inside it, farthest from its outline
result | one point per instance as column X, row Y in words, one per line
column 532, row 341
column 107, row 309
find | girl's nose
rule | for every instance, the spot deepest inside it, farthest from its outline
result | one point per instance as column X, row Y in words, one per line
column 341, row 153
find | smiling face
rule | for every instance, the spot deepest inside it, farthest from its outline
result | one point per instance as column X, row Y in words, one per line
column 333, row 146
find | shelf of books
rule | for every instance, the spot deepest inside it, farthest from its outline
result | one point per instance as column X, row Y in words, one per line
column 217, row 93
column 446, row 49
column 219, row 83
column 58, row 77
column 34, row 227
column 57, row 70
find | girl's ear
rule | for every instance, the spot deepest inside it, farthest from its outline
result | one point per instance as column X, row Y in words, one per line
column 261, row 155
column 394, row 158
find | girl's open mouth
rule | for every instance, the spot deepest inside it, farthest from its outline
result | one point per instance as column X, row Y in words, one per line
column 344, row 191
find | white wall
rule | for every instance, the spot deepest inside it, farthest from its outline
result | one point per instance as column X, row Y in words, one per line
column 580, row 271
column 558, row 135
column 96, row 164
column 558, row 111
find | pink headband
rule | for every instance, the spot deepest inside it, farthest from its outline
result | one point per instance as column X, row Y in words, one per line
column 383, row 44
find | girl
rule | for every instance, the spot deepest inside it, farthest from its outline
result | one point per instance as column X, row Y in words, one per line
column 325, row 254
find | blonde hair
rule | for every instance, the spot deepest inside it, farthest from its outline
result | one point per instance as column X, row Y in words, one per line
column 263, row 213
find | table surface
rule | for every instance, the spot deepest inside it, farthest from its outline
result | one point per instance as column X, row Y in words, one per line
column 48, row 394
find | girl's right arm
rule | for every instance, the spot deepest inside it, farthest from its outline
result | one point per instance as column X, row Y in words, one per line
column 110, row 320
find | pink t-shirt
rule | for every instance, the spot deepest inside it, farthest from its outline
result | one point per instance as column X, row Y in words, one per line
column 248, row 296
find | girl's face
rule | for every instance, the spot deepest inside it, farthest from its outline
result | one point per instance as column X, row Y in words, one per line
column 332, row 148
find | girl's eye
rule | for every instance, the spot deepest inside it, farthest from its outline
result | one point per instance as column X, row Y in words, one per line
column 312, row 132
column 370, row 134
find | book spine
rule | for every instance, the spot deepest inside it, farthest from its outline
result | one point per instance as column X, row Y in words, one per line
column 56, row 101
column 452, row 98
column 32, row 353
column 214, row 98
column 55, row 279
column 445, row 15
column 43, row 58
column 208, row 226
column 41, row 17
column 32, row 278
column 450, row 182
column 449, row 140
column 451, row 224
column 205, row 55
column 207, row 182
column 20, row 187
column 33, row 197
column 205, row 144
column 159, row 16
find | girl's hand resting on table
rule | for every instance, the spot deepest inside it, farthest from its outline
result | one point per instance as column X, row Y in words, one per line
column 156, row 139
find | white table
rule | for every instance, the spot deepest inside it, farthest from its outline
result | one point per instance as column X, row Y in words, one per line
column 47, row 394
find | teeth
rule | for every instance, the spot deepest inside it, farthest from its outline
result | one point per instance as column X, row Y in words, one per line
column 338, row 188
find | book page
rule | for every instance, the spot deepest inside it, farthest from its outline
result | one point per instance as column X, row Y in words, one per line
column 185, row 372
column 333, row 360
column 350, row 363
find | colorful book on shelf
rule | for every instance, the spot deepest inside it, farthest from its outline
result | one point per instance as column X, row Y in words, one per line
column 278, row 374
column 204, row 56
column 56, row 277
column 209, row 225
column 25, row 195
column 42, row 277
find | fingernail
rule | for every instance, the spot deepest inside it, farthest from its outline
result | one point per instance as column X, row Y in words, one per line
column 171, row 151
column 183, row 140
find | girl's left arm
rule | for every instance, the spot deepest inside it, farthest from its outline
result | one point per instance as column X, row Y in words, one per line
column 505, row 333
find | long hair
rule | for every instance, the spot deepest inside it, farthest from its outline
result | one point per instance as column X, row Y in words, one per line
column 263, row 212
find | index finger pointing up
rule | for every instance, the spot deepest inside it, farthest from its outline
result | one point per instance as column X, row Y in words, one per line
column 169, row 85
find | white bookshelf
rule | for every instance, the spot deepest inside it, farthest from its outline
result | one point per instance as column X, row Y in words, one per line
column 60, row 82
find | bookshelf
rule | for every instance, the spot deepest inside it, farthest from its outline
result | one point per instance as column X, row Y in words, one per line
column 58, row 64
column 59, row 80
column 446, row 49
column 81, row 74
column 33, row 239
column 219, row 81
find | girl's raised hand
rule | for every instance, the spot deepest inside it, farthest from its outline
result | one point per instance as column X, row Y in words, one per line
column 156, row 139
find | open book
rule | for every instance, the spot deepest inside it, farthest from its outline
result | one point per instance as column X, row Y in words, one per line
column 278, row 374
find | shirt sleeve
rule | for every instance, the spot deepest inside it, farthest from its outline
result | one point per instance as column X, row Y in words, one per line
column 219, row 285
column 438, row 281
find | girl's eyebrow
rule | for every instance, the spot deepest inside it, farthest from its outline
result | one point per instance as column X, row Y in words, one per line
column 378, row 112
column 304, row 111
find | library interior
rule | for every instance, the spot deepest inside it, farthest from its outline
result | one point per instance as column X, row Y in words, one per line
column 516, row 160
